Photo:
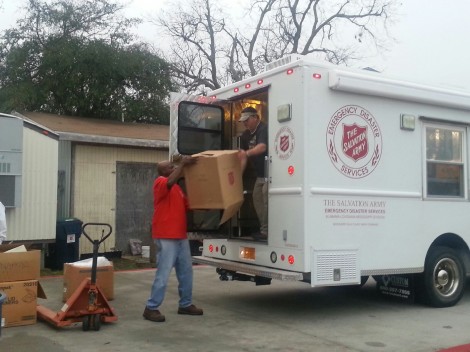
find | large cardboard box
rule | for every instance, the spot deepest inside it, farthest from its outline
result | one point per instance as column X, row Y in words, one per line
column 75, row 273
column 215, row 182
column 19, row 265
column 19, row 307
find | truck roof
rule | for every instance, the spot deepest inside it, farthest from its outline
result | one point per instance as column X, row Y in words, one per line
column 365, row 82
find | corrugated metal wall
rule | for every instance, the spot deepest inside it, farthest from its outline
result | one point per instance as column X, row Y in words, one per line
column 94, row 185
column 35, row 220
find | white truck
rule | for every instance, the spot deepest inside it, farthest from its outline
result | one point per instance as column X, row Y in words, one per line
column 368, row 176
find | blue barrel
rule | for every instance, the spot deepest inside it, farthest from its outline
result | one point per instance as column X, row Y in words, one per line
column 3, row 296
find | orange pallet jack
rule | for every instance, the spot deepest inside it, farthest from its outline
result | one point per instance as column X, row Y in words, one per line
column 87, row 304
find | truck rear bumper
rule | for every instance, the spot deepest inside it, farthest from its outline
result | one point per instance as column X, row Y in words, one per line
column 248, row 269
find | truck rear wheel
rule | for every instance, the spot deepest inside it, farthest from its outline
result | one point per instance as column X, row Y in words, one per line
column 443, row 280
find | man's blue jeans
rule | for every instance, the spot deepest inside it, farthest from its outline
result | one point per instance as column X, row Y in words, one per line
column 172, row 253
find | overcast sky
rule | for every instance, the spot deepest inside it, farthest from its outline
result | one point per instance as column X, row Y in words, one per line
column 433, row 44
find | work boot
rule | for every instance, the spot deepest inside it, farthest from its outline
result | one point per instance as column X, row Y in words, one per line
column 190, row 310
column 153, row 315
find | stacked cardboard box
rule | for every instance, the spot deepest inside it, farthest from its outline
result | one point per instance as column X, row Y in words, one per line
column 19, row 275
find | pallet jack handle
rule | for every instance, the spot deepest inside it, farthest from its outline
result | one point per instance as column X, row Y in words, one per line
column 96, row 244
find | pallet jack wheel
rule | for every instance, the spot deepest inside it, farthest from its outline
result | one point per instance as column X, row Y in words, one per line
column 96, row 322
column 86, row 322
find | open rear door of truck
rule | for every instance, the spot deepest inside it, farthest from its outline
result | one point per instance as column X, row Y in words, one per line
column 198, row 124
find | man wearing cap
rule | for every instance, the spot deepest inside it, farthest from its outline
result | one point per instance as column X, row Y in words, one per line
column 254, row 149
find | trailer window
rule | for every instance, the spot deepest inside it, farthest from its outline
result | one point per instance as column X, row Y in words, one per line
column 444, row 161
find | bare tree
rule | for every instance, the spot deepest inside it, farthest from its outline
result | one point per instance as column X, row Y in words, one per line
column 208, row 51
column 197, row 45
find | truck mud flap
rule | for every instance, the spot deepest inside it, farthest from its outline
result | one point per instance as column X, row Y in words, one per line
column 248, row 269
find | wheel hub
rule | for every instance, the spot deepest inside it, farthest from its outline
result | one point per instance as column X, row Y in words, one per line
column 442, row 277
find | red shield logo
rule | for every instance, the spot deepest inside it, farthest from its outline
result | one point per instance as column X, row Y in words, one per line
column 284, row 143
column 355, row 144
column 231, row 178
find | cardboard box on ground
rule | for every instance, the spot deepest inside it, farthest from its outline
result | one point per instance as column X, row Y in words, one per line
column 215, row 182
column 75, row 273
column 19, row 275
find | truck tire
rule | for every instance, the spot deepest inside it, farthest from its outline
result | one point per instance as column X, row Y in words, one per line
column 443, row 280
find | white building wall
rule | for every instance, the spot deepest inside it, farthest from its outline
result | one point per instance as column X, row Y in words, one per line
column 35, row 220
column 94, row 185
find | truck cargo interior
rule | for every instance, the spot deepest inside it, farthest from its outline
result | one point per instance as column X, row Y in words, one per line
column 202, row 132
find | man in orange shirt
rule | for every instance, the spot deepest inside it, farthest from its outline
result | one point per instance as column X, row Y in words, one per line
column 169, row 234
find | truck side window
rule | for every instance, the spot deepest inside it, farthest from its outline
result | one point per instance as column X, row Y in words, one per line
column 444, row 161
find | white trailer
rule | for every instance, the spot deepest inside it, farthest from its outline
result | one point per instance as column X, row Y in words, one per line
column 28, row 179
column 368, row 176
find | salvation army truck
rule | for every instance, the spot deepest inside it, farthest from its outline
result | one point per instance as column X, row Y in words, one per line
column 367, row 176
